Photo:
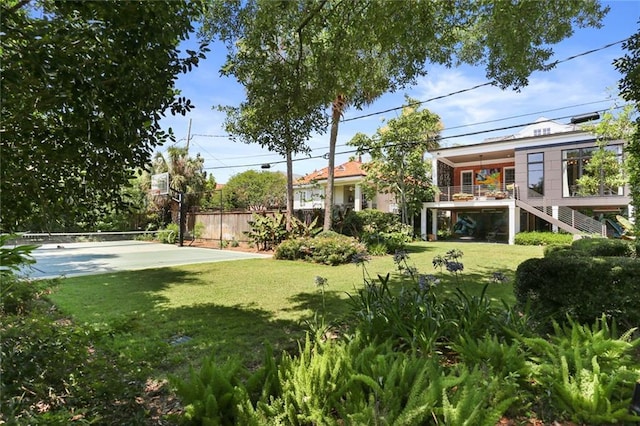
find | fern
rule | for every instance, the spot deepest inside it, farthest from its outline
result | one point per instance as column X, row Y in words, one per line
column 587, row 372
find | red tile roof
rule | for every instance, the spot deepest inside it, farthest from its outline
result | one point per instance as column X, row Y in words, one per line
column 348, row 169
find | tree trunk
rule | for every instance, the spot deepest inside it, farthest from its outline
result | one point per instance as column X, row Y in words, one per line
column 289, row 212
column 338, row 105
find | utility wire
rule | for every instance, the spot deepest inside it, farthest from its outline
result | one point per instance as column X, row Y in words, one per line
column 495, row 129
column 488, row 83
column 353, row 151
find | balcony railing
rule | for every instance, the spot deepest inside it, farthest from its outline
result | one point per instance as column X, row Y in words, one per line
column 474, row 192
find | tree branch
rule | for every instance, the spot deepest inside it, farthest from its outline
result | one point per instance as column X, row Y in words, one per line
column 17, row 6
column 311, row 15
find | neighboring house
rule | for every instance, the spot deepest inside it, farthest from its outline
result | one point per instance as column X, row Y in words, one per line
column 309, row 190
column 495, row 189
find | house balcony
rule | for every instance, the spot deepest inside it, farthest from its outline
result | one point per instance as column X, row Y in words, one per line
column 467, row 193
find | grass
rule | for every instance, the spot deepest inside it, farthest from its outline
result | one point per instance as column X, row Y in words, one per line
column 171, row 318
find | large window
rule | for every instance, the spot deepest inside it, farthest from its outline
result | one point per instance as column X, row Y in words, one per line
column 509, row 176
column 467, row 181
column 535, row 173
column 592, row 172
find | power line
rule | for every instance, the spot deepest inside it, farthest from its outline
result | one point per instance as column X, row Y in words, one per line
column 488, row 83
column 457, row 92
column 353, row 151
column 443, row 137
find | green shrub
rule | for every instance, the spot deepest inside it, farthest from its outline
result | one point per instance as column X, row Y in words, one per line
column 604, row 247
column 582, row 373
column 561, row 250
column 542, row 238
column 583, row 287
column 345, row 382
column 267, row 231
column 198, row 230
column 326, row 248
column 53, row 370
column 377, row 228
column 170, row 234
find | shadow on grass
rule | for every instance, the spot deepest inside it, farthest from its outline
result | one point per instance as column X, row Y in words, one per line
column 336, row 304
column 224, row 332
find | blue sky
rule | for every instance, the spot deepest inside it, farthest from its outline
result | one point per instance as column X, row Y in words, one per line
column 585, row 84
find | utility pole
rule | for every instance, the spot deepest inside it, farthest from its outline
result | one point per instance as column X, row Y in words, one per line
column 188, row 136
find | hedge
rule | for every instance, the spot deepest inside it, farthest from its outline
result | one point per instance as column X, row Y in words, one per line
column 580, row 286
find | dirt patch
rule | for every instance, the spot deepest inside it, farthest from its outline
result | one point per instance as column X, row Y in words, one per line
column 243, row 246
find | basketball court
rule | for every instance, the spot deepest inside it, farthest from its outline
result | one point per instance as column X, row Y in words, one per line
column 57, row 260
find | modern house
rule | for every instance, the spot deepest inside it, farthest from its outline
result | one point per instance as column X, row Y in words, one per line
column 523, row 182
column 309, row 191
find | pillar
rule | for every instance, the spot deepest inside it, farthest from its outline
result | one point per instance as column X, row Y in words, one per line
column 357, row 206
column 434, row 223
column 554, row 214
column 514, row 217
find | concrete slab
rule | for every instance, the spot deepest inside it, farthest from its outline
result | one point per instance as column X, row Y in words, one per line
column 55, row 260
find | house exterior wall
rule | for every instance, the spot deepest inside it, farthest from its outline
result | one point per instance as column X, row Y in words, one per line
column 477, row 166
column 554, row 177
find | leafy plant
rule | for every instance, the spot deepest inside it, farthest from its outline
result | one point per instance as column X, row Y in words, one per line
column 169, row 235
column 586, row 371
column 13, row 259
column 542, row 238
column 581, row 286
column 198, row 230
column 267, row 231
column 328, row 248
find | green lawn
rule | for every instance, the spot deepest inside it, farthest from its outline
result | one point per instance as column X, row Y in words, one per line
column 231, row 308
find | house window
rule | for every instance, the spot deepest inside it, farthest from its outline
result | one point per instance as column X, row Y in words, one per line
column 467, row 181
column 535, row 174
column 540, row 132
column 579, row 179
column 509, row 177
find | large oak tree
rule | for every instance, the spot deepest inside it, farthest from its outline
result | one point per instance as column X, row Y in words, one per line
column 84, row 86
column 335, row 54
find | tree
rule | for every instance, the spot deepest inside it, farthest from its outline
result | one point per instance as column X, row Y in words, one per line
column 253, row 190
column 211, row 199
column 280, row 111
column 629, row 67
column 341, row 54
column 605, row 171
column 186, row 176
column 84, row 86
column 397, row 163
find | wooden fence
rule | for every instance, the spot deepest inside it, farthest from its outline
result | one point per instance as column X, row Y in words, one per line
column 225, row 226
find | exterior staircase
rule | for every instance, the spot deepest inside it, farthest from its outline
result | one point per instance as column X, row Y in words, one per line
column 568, row 219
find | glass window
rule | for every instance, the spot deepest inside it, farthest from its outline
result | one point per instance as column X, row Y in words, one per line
column 509, row 175
column 580, row 177
column 535, row 173
column 467, row 182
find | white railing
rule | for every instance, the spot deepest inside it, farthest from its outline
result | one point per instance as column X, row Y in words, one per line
column 473, row 192
column 566, row 215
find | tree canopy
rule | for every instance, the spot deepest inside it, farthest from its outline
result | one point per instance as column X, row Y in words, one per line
column 84, row 86
column 335, row 54
column 605, row 171
column 253, row 190
column 629, row 66
column 397, row 163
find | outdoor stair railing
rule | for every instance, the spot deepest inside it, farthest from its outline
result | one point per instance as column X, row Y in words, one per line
column 568, row 219
column 574, row 221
